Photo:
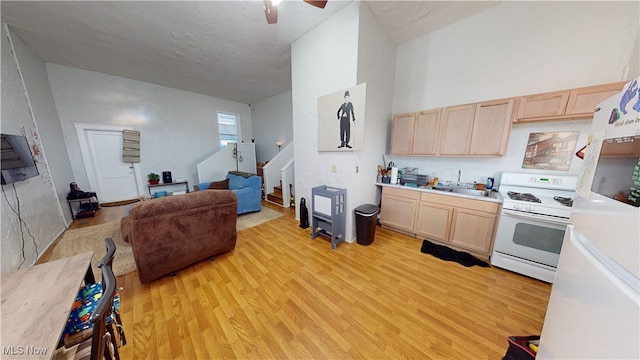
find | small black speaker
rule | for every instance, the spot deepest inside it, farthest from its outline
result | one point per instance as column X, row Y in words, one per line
column 166, row 177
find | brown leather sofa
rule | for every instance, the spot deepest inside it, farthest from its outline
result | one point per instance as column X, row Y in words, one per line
column 170, row 233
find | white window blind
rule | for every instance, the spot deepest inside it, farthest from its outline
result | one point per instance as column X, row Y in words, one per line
column 227, row 128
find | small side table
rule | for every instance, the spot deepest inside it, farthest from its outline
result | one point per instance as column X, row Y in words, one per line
column 185, row 183
column 90, row 200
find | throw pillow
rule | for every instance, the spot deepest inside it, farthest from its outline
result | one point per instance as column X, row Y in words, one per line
column 219, row 185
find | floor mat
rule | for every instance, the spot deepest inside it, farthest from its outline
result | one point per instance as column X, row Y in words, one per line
column 448, row 254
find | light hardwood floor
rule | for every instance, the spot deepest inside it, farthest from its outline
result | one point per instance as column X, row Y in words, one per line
column 280, row 294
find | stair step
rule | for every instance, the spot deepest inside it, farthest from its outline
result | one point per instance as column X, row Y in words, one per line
column 277, row 190
column 276, row 198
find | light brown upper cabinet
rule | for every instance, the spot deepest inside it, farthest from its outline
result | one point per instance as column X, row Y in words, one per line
column 569, row 104
column 457, row 125
column 583, row 101
column 491, row 127
column 542, row 105
column 425, row 137
column 402, row 133
column 480, row 129
column 483, row 129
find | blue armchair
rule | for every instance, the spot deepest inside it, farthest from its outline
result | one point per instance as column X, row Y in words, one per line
column 248, row 189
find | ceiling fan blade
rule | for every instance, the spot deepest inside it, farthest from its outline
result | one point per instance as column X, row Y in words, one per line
column 271, row 12
column 317, row 3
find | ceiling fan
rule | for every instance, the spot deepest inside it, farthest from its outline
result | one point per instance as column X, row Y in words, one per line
column 271, row 8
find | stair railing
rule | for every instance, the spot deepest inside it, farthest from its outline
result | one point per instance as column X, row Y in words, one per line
column 234, row 157
column 217, row 166
column 287, row 174
column 271, row 171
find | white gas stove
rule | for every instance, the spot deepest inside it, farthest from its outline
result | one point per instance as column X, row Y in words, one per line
column 538, row 194
column 535, row 212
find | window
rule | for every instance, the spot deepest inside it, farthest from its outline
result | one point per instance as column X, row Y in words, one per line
column 227, row 128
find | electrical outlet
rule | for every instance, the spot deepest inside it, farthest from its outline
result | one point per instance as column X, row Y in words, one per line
column 333, row 168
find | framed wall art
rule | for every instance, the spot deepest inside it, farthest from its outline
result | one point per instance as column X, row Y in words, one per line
column 550, row 150
column 341, row 119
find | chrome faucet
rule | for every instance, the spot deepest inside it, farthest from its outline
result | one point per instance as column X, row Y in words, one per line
column 459, row 173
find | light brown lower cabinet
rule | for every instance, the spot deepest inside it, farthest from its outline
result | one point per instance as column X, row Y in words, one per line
column 434, row 220
column 398, row 208
column 466, row 223
column 473, row 230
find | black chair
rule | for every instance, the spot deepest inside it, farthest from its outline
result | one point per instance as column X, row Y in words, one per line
column 108, row 260
column 101, row 344
column 110, row 253
column 86, row 295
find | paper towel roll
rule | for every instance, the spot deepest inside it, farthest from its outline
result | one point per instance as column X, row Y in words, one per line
column 394, row 175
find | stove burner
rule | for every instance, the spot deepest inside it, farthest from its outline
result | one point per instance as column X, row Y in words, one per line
column 523, row 196
column 564, row 200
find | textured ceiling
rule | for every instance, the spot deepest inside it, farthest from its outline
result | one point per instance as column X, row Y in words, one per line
column 224, row 49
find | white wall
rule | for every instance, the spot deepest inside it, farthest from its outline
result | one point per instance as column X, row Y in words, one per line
column 515, row 48
column 634, row 61
column 31, row 213
column 376, row 67
column 178, row 129
column 46, row 116
column 322, row 61
column 272, row 121
column 340, row 53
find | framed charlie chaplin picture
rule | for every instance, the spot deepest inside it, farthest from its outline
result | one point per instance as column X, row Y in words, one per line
column 341, row 119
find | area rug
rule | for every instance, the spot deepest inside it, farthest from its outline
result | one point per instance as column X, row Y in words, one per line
column 78, row 241
column 249, row 220
column 448, row 254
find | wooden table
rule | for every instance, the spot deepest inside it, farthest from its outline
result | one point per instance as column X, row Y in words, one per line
column 185, row 183
column 35, row 303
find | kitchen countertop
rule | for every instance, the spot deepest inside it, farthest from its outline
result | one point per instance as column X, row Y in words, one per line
column 494, row 196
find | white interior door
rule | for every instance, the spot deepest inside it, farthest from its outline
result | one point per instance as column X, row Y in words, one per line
column 115, row 180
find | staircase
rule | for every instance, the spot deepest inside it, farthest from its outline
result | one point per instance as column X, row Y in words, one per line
column 276, row 195
column 279, row 175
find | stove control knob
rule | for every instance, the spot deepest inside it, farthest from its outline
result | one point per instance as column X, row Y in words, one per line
column 530, row 208
column 517, row 206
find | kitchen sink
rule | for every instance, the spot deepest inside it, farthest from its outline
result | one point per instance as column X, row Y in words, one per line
column 462, row 191
column 470, row 192
column 442, row 189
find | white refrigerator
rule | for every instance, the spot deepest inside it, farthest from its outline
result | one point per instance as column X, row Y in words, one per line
column 594, row 307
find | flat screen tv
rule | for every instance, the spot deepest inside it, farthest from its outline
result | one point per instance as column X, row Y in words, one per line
column 16, row 160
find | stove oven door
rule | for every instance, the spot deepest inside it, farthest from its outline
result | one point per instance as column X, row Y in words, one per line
column 531, row 237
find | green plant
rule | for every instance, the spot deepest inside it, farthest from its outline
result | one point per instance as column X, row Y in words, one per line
column 153, row 176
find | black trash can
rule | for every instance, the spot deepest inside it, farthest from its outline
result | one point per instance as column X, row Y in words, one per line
column 366, row 219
